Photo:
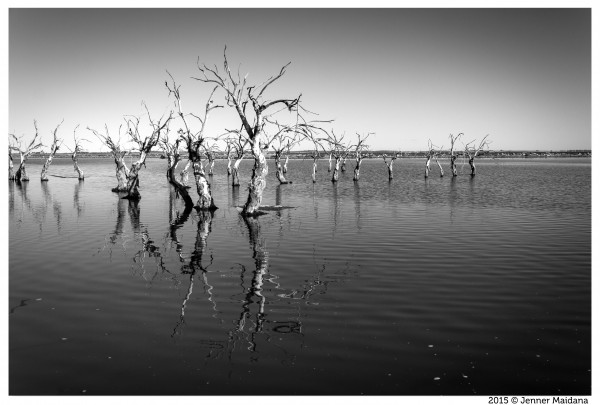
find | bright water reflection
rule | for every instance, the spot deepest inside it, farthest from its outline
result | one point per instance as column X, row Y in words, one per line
column 411, row 286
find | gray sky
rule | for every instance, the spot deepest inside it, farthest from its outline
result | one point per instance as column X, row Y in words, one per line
column 523, row 76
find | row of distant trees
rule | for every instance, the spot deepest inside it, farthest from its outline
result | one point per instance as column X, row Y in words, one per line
column 265, row 125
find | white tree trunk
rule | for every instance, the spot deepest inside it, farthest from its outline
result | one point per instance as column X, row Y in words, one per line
column 258, row 181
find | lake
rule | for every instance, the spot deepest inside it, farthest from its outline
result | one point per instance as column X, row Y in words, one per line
column 438, row 286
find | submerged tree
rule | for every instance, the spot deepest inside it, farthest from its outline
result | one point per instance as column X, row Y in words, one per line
column 194, row 142
column 144, row 143
column 339, row 149
column 473, row 151
column 390, row 164
column 76, row 149
column 432, row 154
column 11, row 173
column 171, row 150
column 118, row 154
column 281, row 141
column 24, row 152
column 53, row 148
column 239, row 96
column 453, row 139
column 359, row 148
column 237, row 143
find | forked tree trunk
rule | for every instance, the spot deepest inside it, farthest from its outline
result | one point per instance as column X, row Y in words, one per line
column 122, row 173
column 211, row 163
column 440, row 166
column 21, row 174
column 172, row 177
column 390, row 168
column 427, row 168
column 80, row 175
column 133, row 181
column 205, row 199
column 336, row 169
column 258, row 181
column 472, row 164
column 279, row 173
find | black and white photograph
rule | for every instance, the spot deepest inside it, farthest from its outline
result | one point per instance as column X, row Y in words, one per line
column 275, row 201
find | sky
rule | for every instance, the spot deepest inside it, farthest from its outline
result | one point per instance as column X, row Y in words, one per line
column 521, row 76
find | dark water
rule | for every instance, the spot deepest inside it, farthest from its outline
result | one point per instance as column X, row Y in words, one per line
column 419, row 287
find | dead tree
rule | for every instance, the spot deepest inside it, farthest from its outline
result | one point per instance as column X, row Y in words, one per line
column 228, row 148
column 390, row 164
column 171, row 150
column 56, row 142
column 339, row 149
column 240, row 96
column 144, row 143
column 118, row 153
column 76, row 149
column 432, row 154
column 359, row 148
column 280, row 141
column 194, row 142
column 472, row 152
column 315, row 157
column 453, row 139
column 24, row 152
column 210, row 149
column 329, row 167
column 11, row 173
column 238, row 144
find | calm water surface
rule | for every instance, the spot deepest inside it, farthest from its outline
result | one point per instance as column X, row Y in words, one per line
column 410, row 287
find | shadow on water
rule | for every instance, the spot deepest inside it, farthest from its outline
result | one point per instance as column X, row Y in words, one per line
column 77, row 204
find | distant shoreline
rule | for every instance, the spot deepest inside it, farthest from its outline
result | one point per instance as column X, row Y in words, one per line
column 368, row 155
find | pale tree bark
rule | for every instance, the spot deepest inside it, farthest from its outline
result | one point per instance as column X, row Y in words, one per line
column 472, row 152
column 144, row 146
column 439, row 165
column 122, row 171
column 184, row 175
column 315, row 157
column 239, row 96
column 171, row 150
column 287, row 158
column 77, row 149
column 390, row 164
column 11, row 173
column 359, row 148
column 236, row 145
column 338, row 149
column 453, row 139
column 194, row 142
column 228, row 153
column 53, row 148
column 344, row 163
column 329, row 167
column 24, row 152
column 432, row 154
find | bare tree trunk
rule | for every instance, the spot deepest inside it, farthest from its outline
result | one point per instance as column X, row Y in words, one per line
column 211, row 163
column 205, row 200
column 329, row 168
column 336, row 169
column 228, row 165
column 440, row 166
column 133, row 181
column 472, row 164
column 11, row 174
column 357, row 168
column 314, row 171
column 80, row 175
column 184, row 176
column 21, row 174
column 287, row 158
column 180, row 189
column 279, row 172
column 258, row 181
column 344, row 164
column 453, row 166
column 122, row 172
column 235, row 179
column 427, row 168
